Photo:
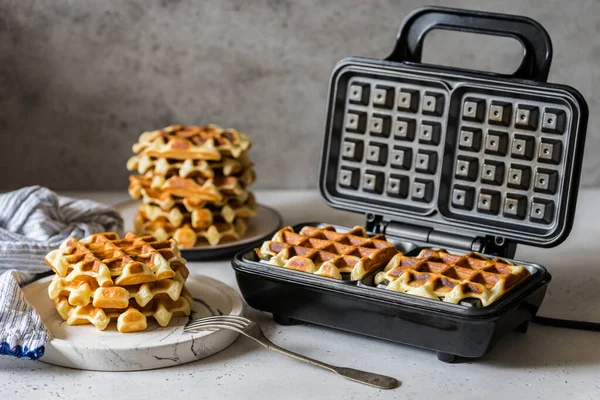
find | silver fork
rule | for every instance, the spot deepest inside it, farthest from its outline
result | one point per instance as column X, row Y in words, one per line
column 252, row 330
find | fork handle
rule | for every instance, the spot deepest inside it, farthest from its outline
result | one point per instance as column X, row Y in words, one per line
column 367, row 378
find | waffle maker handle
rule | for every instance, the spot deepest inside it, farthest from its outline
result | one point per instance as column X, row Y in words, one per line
column 534, row 38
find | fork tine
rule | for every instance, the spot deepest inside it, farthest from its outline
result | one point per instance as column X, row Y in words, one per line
column 202, row 328
column 205, row 323
column 202, row 322
column 198, row 323
column 238, row 317
column 217, row 326
column 227, row 317
column 242, row 322
column 219, row 319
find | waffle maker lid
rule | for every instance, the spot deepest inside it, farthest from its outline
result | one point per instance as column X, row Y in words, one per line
column 450, row 153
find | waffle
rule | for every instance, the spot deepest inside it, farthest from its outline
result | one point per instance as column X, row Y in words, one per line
column 450, row 277
column 167, row 201
column 325, row 252
column 200, row 217
column 107, row 260
column 190, row 168
column 198, row 190
column 143, row 164
column 82, row 293
column 192, row 142
column 130, row 319
column 188, row 236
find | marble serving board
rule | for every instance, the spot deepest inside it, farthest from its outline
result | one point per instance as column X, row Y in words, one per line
column 85, row 347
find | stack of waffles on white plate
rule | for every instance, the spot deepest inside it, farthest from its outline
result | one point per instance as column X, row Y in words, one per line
column 193, row 184
column 104, row 277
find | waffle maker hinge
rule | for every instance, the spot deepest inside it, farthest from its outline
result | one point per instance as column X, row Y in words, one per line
column 491, row 245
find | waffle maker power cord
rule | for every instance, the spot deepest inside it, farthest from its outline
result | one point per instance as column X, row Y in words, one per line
column 566, row 323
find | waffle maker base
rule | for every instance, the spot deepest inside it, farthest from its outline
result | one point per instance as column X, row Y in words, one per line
column 360, row 307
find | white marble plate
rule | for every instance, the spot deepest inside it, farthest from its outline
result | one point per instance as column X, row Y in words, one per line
column 84, row 347
column 266, row 222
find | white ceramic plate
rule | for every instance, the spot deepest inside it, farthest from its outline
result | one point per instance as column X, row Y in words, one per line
column 264, row 225
column 84, row 347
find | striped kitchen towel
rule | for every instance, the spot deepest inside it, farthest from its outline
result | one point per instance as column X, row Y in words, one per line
column 33, row 221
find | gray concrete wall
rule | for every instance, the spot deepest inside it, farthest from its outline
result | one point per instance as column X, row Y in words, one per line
column 79, row 80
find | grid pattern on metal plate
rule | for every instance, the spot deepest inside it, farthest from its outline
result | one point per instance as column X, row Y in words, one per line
column 482, row 155
column 509, row 158
column 391, row 141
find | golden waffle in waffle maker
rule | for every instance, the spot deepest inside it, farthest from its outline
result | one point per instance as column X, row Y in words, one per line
column 453, row 168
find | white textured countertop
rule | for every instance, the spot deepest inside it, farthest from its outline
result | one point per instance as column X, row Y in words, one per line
column 544, row 363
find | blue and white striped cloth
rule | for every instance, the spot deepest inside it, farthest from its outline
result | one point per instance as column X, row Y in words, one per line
column 33, row 221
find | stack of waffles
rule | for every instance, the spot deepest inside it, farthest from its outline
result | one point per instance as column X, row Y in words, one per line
column 437, row 274
column 192, row 181
column 326, row 252
column 104, row 277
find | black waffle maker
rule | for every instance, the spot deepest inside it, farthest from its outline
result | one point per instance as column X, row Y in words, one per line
column 439, row 157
